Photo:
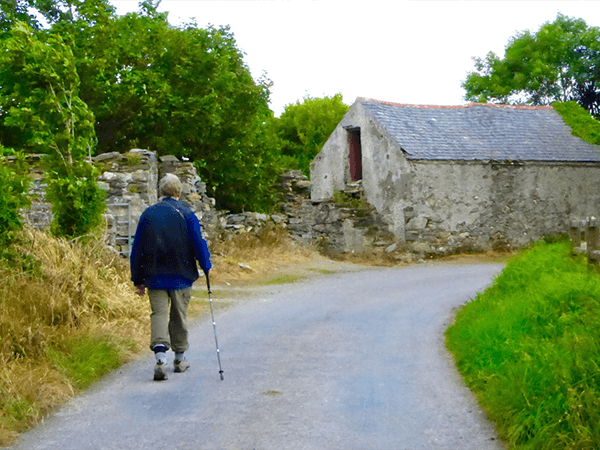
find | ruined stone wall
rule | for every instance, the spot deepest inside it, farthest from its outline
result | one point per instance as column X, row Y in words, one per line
column 585, row 235
column 130, row 181
column 39, row 215
column 343, row 224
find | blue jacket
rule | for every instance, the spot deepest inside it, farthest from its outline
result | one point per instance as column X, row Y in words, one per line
column 167, row 243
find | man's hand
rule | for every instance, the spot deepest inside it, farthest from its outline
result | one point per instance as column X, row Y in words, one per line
column 140, row 290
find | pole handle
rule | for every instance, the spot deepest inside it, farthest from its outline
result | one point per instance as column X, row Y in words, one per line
column 208, row 282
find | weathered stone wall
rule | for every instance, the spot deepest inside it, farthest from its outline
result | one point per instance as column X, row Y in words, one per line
column 193, row 189
column 131, row 184
column 585, row 235
column 39, row 215
column 478, row 206
column 345, row 224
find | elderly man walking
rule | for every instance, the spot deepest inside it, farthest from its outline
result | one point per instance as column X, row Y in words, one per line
column 168, row 242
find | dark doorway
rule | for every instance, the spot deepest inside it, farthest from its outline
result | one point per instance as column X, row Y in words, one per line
column 355, row 154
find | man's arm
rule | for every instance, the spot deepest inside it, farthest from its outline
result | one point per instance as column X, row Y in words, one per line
column 200, row 245
column 135, row 259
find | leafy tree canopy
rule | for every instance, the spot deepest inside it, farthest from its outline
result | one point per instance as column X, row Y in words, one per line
column 560, row 62
column 175, row 90
column 305, row 126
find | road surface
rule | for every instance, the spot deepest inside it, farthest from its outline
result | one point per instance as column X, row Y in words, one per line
column 344, row 361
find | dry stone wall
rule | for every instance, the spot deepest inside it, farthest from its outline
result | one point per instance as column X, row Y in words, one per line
column 130, row 181
column 345, row 224
column 39, row 215
column 585, row 235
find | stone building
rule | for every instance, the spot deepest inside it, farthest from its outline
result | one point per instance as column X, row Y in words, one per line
column 474, row 177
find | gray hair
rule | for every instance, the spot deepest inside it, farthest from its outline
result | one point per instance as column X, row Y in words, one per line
column 170, row 186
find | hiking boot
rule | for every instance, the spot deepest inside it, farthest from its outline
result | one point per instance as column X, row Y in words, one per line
column 181, row 365
column 160, row 371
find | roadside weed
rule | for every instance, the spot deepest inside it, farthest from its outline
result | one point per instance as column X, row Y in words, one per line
column 85, row 359
column 528, row 347
column 281, row 279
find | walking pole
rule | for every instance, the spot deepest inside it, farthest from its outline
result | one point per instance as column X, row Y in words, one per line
column 214, row 325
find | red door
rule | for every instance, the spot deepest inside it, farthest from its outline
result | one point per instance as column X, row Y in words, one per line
column 355, row 155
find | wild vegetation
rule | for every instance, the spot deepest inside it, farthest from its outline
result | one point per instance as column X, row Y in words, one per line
column 78, row 80
column 582, row 123
column 528, row 347
column 68, row 316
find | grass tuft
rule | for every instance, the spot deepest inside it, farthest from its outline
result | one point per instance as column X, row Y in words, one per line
column 281, row 279
column 85, row 359
column 528, row 347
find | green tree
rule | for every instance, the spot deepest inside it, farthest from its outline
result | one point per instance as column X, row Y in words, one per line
column 252, row 188
column 305, row 126
column 175, row 90
column 12, row 11
column 184, row 91
column 560, row 62
column 40, row 104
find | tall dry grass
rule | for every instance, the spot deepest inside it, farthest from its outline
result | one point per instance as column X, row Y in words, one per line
column 52, row 295
column 261, row 253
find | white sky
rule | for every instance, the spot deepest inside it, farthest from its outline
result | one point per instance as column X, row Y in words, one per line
column 415, row 52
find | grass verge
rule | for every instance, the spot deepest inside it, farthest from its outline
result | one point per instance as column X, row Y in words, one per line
column 529, row 349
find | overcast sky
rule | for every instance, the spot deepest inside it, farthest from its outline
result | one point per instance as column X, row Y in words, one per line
column 415, row 52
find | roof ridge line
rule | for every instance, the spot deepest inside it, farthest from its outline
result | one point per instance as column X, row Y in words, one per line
column 468, row 105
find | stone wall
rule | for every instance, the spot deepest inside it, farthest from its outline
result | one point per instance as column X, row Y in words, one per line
column 494, row 205
column 343, row 224
column 131, row 184
column 39, row 215
column 585, row 235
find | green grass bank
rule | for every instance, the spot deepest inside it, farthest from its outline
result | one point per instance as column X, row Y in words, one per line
column 529, row 347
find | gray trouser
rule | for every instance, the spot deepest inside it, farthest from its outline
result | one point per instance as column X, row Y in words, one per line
column 170, row 329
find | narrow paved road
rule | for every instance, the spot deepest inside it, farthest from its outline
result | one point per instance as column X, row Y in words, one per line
column 346, row 361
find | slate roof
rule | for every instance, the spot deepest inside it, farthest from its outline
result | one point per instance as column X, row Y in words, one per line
column 480, row 132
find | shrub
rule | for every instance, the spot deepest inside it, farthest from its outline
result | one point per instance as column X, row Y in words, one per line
column 77, row 201
column 14, row 186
